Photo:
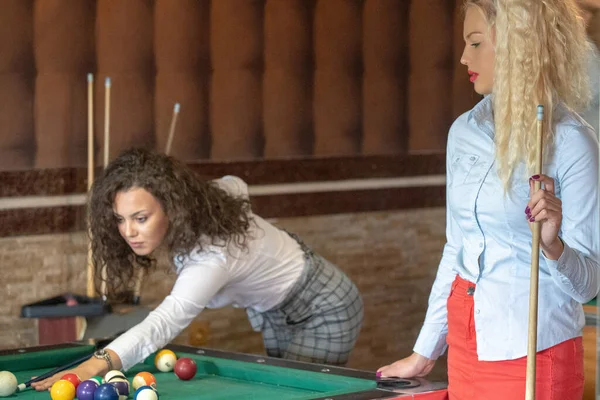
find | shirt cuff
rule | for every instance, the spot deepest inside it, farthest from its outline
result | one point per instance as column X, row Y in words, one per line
column 564, row 259
column 558, row 268
column 431, row 342
column 127, row 356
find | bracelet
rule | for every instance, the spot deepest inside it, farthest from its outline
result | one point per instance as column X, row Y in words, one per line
column 102, row 354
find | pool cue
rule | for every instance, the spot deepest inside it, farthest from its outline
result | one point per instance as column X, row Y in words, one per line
column 535, row 259
column 597, row 358
column 137, row 290
column 106, row 158
column 90, row 271
column 140, row 275
column 23, row 386
column 97, row 344
column 172, row 128
column 106, row 120
column 81, row 322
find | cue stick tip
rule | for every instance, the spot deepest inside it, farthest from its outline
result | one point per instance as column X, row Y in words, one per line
column 21, row 387
column 107, row 81
column 540, row 112
column 177, row 107
column 90, row 77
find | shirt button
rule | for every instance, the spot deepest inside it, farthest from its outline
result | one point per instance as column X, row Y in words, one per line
column 480, row 245
column 472, row 158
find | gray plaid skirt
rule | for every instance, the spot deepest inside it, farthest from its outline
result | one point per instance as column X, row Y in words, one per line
column 320, row 319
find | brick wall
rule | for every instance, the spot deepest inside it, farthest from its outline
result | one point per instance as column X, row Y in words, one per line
column 392, row 257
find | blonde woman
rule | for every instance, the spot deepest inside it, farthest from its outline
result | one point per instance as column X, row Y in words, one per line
column 518, row 54
column 589, row 10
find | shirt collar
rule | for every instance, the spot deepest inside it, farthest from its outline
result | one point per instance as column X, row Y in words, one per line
column 482, row 115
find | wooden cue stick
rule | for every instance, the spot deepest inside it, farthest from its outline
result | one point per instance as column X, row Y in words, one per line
column 106, row 158
column 106, row 120
column 535, row 258
column 140, row 275
column 90, row 270
column 172, row 128
column 81, row 322
column 597, row 358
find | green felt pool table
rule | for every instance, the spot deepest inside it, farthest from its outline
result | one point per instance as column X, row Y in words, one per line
column 226, row 375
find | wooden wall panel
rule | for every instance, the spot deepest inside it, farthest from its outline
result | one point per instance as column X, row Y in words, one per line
column 255, row 78
column 385, row 47
column 125, row 55
column 288, row 78
column 64, row 54
column 182, row 53
column 236, row 85
column 17, row 140
column 338, row 77
column 431, row 70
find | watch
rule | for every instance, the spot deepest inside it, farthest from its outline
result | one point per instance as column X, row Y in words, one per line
column 103, row 355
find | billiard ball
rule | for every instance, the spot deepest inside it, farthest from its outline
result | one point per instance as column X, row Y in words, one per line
column 62, row 390
column 122, row 385
column 106, row 391
column 145, row 393
column 185, row 368
column 111, row 374
column 143, row 379
column 165, row 360
column 73, row 378
column 98, row 379
column 8, row 383
column 86, row 389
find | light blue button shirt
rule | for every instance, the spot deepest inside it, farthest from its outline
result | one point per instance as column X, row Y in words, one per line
column 489, row 240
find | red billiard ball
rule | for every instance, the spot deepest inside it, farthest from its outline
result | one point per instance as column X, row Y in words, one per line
column 185, row 368
column 73, row 378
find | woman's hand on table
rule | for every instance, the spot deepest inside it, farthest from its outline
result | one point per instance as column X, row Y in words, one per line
column 413, row 366
column 84, row 371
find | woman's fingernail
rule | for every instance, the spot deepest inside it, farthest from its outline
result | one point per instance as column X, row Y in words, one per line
column 534, row 177
column 531, row 219
column 378, row 374
column 527, row 210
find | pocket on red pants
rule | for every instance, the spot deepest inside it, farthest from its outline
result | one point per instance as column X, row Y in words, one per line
column 560, row 371
column 567, row 369
column 459, row 320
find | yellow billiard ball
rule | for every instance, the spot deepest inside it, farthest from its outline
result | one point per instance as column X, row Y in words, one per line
column 165, row 360
column 62, row 390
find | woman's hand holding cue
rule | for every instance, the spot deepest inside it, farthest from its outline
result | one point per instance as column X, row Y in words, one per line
column 544, row 207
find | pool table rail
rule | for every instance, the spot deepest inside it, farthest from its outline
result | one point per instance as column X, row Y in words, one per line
column 332, row 382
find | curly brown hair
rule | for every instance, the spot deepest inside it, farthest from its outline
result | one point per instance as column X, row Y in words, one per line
column 196, row 208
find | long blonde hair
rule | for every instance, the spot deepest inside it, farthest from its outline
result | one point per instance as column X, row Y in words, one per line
column 541, row 58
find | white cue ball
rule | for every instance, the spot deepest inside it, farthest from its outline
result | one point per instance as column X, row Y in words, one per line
column 8, row 383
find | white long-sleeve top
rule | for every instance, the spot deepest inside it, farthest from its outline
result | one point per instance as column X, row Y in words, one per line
column 259, row 277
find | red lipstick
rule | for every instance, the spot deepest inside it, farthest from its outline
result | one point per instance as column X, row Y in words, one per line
column 473, row 76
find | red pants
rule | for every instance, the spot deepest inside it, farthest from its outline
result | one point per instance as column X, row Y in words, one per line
column 559, row 369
